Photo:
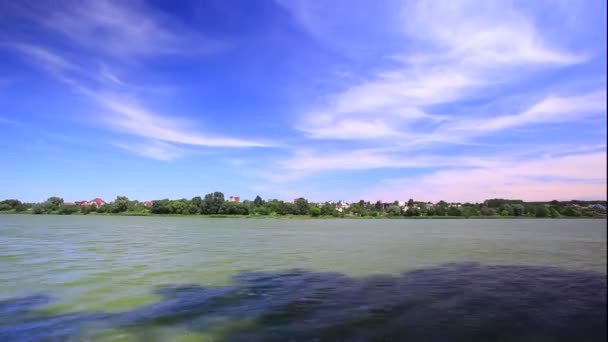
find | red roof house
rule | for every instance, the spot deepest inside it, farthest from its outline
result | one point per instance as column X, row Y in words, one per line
column 98, row 202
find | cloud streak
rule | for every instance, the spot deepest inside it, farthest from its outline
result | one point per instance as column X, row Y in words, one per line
column 120, row 29
column 134, row 119
column 459, row 55
column 109, row 25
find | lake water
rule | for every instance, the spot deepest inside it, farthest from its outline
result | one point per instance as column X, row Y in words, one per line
column 195, row 279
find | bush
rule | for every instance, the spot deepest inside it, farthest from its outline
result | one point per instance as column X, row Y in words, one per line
column 554, row 213
column 542, row 212
column 68, row 209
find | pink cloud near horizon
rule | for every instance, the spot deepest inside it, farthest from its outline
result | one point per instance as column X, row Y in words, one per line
column 563, row 178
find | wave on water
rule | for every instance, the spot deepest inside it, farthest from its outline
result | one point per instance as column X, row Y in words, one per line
column 454, row 302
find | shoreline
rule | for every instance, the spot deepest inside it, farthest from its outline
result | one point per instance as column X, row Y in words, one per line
column 309, row 217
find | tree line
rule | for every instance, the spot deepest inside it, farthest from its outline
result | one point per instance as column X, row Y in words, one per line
column 216, row 204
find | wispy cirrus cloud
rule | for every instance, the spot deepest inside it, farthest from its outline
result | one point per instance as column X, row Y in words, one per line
column 117, row 28
column 152, row 149
column 552, row 109
column 126, row 114
column 457, row 56
column 134, row 119
column 480, row 35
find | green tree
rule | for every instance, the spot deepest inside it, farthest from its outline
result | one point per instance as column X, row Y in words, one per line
column 258, row 201
column 121, row 204
column 179, row 206
column 12, row 204
column 21, row 207
column 53, row 203
column 328, row 209
column 273, row 206
column 235, row 208
column 454, row 211
column 38, row 209
column 85, row 209
column 314, row 211
column 301, row 206
column 568, row 211
column 554, row 213
column 104, row 208
column 285, row 208
column 441, row 210
column 541, row 212
column 212, row 203
column 394, row 210
column 161, row 206
column 68, row 209
column 468, row 211
column 196, row 205
column 410, row 202
column 379, row 207
column 485, row 211
column 518, row 210
column 193, row 208
column 263, row 210
column 355, row 208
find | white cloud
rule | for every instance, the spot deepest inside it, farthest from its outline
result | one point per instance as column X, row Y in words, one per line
column 464, row 47
column 134, row 119
column 481, row 35
column 552, row 109
column 125, row 29
column 128, row 116
column 568, row 177
column 306, row 162
column 44, row 57
column 152, row 149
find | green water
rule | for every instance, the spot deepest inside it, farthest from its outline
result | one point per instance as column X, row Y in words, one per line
column 113, row 264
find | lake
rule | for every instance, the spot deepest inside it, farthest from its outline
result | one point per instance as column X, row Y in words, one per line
column 108, row 278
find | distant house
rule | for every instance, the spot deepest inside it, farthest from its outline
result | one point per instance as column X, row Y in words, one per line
column 69, row 203
column 83, row 203
column 341, row 205
column 98, row 202
column 574, row 206
column 235, row 199
column 147, row 203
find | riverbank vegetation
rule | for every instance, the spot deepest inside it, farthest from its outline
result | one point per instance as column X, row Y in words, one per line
column 215, row 205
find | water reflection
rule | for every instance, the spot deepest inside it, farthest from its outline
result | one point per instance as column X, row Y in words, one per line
column 455, row 302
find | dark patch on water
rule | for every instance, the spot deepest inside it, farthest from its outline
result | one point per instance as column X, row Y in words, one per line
column 455, row 302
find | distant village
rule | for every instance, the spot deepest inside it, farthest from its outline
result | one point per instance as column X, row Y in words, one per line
column 216, row 204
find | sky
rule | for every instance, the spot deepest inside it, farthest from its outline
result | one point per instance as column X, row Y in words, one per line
column 328, row 100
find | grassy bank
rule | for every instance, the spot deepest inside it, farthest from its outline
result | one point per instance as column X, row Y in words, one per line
column 303, row 217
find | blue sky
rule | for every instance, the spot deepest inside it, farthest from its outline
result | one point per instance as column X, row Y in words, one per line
column 390, row 100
